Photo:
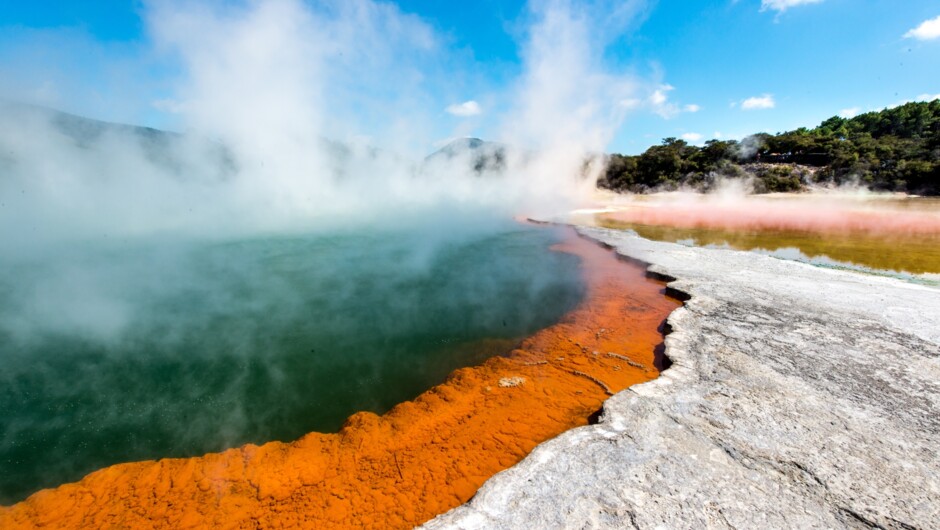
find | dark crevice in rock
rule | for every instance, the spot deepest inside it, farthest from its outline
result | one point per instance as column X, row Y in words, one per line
column 671, row 292
column 674, row 293
column 660, row 360
column 595, row 416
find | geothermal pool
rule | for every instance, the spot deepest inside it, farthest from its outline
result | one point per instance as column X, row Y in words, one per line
column 871, row 233
column 423, row 456
column 121, row 352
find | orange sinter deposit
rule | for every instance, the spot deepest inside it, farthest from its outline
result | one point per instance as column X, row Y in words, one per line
column 420, row 459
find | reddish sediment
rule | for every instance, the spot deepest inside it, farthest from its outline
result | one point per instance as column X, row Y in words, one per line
column 880, row 234
column 814, row 215
column 420, row 459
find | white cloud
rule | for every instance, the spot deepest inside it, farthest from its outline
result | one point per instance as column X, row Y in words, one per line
column 759, row 103
column 850, row 112
column 659, row 96
column 658, row 102
column 921, row 98
column 782, row 5
column 692, row 137
column 717, row 135
column 927, row 30
column 465, row 109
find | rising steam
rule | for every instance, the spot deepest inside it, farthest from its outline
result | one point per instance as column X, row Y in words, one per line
column 302, row 116
column 298, row 167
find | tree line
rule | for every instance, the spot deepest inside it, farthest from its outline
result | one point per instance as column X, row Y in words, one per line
column 896, row 149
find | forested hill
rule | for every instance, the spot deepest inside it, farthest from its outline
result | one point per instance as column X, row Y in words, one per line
column 895, row 149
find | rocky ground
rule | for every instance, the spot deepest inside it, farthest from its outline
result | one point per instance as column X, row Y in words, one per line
column 799, row 397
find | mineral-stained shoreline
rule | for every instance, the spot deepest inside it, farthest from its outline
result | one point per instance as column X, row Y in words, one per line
column 420, row 459
column 799, row 397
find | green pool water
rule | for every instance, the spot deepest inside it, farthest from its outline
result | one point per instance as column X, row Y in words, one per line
column 142, row 350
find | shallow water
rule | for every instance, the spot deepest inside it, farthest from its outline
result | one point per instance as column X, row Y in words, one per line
column 129, row 352
column 900, row 234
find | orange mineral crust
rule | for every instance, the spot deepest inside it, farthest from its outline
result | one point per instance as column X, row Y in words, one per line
column 420, row 459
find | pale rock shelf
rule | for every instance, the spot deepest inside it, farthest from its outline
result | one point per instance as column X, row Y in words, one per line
column 799, row 397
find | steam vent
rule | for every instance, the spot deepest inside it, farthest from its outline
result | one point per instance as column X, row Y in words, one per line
column 420, row 459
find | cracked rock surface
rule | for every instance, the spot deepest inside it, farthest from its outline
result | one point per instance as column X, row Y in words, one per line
column 799, row 397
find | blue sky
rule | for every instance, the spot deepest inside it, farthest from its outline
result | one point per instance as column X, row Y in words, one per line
column 702, row 68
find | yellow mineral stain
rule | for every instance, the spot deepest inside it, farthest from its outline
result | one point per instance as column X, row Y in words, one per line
column 878, row 233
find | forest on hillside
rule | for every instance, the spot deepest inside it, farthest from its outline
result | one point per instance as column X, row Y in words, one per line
column 896, row 149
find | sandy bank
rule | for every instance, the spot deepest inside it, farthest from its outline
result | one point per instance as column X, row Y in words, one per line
column 799, row 397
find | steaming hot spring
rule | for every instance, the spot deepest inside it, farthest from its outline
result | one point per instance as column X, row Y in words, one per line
column 368, row 370
column 374, row 370
column 298, row 294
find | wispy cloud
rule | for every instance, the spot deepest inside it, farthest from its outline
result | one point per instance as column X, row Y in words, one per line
column 782, row 5
column 692, row 137
column 759, row 103
column 927, row 30
column 850, row 112
column 465, row 109
column 658, row 102
column 923, row 98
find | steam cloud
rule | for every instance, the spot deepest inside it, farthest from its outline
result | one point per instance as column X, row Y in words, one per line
column 305, row 117
column 296, row 118
column 730, row 207
column 302, row 116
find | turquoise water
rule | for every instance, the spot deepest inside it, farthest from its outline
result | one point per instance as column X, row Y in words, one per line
column 115, row 353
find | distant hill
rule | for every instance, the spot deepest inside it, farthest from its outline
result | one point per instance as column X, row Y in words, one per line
column 473, row 153
column 167, row 150
column 896, row 149
column 174, row 152
column 83, row 130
